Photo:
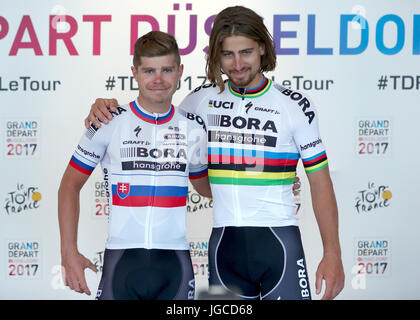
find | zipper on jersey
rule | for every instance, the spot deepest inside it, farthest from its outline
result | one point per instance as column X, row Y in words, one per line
column 243, row 94
column 236, row 199
column 149, row 219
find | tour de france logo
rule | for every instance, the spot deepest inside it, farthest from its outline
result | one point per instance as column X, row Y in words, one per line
column 373, row 198
column 22, row 199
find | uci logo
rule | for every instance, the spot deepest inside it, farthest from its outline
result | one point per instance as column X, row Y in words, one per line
column 220, row 104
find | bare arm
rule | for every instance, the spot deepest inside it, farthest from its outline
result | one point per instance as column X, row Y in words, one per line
column 100, row 111
column 68, row 217
column 202, row 186
column 326, row 213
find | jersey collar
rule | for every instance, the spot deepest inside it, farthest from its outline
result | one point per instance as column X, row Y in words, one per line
column 154, row 118
column 251, row 93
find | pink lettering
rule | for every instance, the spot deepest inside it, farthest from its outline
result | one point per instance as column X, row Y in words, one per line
column 65, row 36
column 25, row 24
column 97, row 20
column 4, row 25
column 135, row 19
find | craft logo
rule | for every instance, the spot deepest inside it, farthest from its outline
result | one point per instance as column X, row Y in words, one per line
column 22, row 138
column 24, row 259
column 372, row 256
column 373, row 198
column 22, row 199
column 199, row 257
column 101, row 198
column 198, row 203
column 373, row 137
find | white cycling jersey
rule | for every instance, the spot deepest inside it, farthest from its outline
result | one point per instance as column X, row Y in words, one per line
column 255, row 139
column 146, row 160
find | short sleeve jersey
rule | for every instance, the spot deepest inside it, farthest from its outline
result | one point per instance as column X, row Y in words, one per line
column 146, row 161
column 255, row 140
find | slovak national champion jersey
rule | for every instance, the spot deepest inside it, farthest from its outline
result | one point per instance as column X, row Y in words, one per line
column 146, row 160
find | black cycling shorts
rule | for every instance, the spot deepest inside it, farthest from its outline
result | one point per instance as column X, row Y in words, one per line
column 259, row 262
column 146, row 274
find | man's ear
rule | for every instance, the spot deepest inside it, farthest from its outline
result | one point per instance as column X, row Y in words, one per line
column 181, row 70
column 262, row 49
column 134, row 72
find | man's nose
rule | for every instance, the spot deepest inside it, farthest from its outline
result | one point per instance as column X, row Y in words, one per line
column 238, row 64
column 158, row 77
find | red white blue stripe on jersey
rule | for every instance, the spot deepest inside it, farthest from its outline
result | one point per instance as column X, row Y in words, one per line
column 149, row 118
column 126, row 195
column 198, row 175
column 80, row 166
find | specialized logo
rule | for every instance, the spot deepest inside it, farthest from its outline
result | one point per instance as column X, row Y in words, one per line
column 123, row 189
column 247, row 106
column 220, row 104
column 303, row 102
column 137, row 131
column 240, row 122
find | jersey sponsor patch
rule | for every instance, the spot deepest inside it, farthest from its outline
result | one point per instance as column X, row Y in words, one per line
column 239, row 122
column 153, row 166
column 241, row 138
column 302, row 102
